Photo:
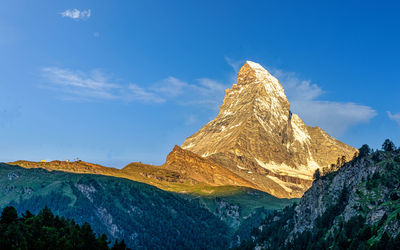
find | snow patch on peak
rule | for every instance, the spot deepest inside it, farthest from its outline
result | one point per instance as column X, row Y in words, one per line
column 190, row 145
column 255, row 66
column 299, row 130
column 302, row 172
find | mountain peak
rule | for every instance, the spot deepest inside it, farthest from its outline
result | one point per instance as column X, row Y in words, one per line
column 255, row 66
column 256, row 136
column 251, row 72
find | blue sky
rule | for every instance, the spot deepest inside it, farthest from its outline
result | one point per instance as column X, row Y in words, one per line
column 113, row 83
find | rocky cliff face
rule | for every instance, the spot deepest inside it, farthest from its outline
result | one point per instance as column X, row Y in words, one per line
column 358, row 204
column 256, row 136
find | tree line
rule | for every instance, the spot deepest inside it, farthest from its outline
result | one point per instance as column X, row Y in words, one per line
column 46, row 231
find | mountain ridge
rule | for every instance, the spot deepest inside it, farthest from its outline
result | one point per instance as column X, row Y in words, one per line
column 183, row 170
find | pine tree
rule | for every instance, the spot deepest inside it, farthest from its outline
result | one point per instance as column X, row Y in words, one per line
column 388, row 146
column 9, row 215
column 317, row 175
column 364, row 151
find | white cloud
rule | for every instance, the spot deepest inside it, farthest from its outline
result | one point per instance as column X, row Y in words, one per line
column 234, row 64
column 76, row 14
column 141, row 94
column 95, row 80
column 334, row 117
column 74, row 85
column 79, row 85
column 208, row 86
column 394, row 117
column 203, row 92
column 170, row 87
column 295, row 88
column 191, row 119
column 207, row 92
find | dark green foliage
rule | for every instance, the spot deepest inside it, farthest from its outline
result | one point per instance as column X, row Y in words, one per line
column 373, row 181
column 388, row 146
column 119, row 245
column 364, row 151
column 249, row 224
column 376, row 156
column 274, row 232
column 317, row 175
column 9, row 215
column 46, row 231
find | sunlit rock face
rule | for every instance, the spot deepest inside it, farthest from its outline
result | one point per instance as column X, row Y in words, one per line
column 202, row 170
column 256, row 136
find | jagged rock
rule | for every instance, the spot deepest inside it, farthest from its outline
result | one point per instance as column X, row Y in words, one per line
column 256, row 136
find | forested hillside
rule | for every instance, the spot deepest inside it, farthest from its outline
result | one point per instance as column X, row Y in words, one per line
column 356, row 207
column 144, row 216
column 46, row 231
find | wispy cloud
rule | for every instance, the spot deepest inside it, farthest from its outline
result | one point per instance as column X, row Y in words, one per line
column 394, row 117
column 235, row 64
column 306, row 100
column 305, row 96
column 76, row 14
column 201, row 92
column 74, row 85
column 140, row 94
column 170, row 87
column 94, row 80
column 92, row 85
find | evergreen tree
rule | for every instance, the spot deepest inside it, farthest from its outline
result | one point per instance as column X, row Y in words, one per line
column 45, row 231
column 364, row 151
column 317, row 175
column 119, row 245
column 9, row 215
column 388, row 146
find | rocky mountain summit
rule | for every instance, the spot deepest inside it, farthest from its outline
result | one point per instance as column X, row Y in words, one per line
column 256, row 136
